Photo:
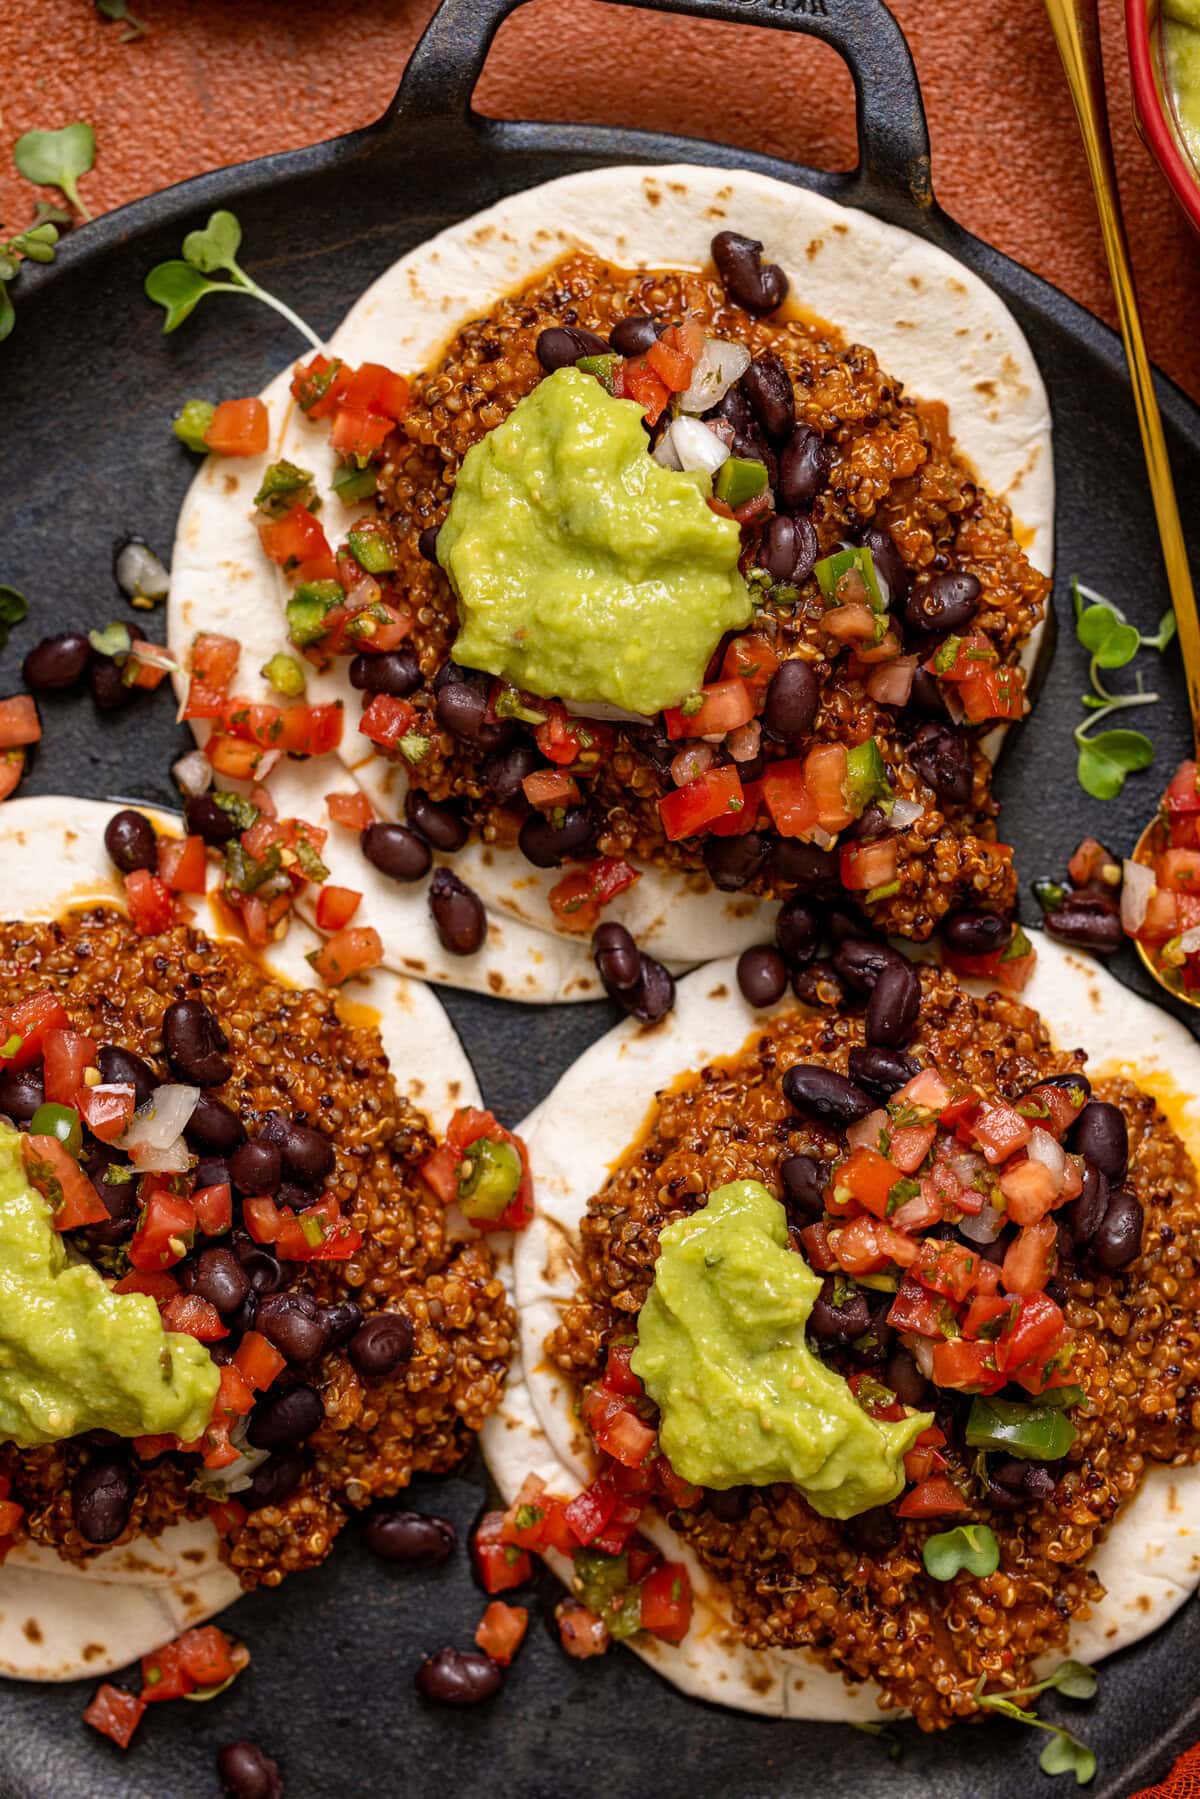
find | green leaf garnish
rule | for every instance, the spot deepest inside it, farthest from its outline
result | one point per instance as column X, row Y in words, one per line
column 1106, row 759
column 970, row 1546
column 13, row 608
column 37, row 244
column 1063, row 1754
column 118, row 11
column 58, row 159
column 1111, row 641
column 179, row 286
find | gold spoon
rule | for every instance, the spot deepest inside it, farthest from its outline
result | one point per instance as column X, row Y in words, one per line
column 1077, row 33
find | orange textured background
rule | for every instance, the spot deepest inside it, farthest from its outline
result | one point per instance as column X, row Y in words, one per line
column 216, row 81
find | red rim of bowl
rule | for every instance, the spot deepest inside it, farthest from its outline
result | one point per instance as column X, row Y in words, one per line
column 1150, row 106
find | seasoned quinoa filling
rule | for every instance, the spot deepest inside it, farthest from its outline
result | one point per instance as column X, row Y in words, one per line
column 892, row 468
column 857, row 1593
column 291, row 1052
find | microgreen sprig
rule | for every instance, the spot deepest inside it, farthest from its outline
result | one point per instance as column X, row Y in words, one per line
column 179, row 286
column 970, row 1546
column 118, row 11
column 37, row 243
column 1107, row 757
column 1063, row 1754
column 58, row 159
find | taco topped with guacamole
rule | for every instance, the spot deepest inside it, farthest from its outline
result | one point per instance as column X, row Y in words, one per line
column 656, row 589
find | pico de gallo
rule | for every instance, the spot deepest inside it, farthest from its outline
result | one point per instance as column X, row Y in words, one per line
column 1159, row 886
column 199, row 1664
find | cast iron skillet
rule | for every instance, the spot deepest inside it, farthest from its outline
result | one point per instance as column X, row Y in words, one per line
column 89, row 387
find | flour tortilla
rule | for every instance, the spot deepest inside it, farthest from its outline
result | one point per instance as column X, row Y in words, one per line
column 62, row 1620
column 1149, row 1562
column 932, row 322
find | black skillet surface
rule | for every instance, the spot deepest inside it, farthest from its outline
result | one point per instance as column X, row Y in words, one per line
column 89, row 385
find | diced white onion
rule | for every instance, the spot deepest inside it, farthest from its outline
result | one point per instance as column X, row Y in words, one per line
column 1189, row 942
column 161, row 1122
column 921, row 1351
column 984, row 1227
column 664, row 451
column 235, row 1476
column 696, row 446
column 906, row 813
column 691, row 763
column 744, row 742
column 193, row 774
column 865, row 1134
column 890, row 684
column 1137, row 888
column 1043, row 1148
column 154, row 655
column 952, row 703
column 172, row 1160
column 720, row 365
column 365, row 592
column 823, row 839
column 140, row 574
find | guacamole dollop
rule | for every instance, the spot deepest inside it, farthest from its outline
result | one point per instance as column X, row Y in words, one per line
column 722, row 1352
column 584, row 570
column 1181, row 41
column 74, row 1355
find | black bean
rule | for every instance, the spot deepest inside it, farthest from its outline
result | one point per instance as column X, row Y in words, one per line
column 1039, row 1484
column 410, row 1537
column 22, row 1091
column 768, row 387
column 460, row 708
column 394, row 672
column 503, row 772
column 246, row 1316
column 861, row 960
column 845, row 925
column 793, row 694
column 803, row 465
column 652, row 997
column 294, row 1323
column 732, row 862
column 633, row 335
column 804, row 867
column 308, row 1155
column 1119, row 1238
column 213, row 1127
column 57, row 663
column 204, row 818
column 832, row 1323
column 798, row 931
column 120, row 1067
column 941, row 756
column 1075, row 1079
column 652, row 742
column 281, row 1419
column 790, row 549
column 561, row 346
column 443, row 827
column 1087, row 921
column 874, row 1531
column 727, row 1503
column 804, row 1181
column 246, row 1772
column 871, row 822
column 894, row 1006
column 427, row 543
column 396, row 852
column 545, row 843
column 823, row 1094
column 195, row 1044
column 459, row 1677
column 1084, row 1216
column 108, row 690
column 1100, row 1134
column 819, row 985
column 256, row 1168
column 341, row 1322
column 274, row 1481
column 759, row 287
column 101, row 1496
column 616, row 956
column 905, row 1378
column 221, row 1279
column 925, row 695
column 381, row 1344
column 130, row 841
column 975, row 933
column 211, row 1171
column 944, row 604
column 458, row 914
column 882, row 1072
column 889, row 563
column 762, row 975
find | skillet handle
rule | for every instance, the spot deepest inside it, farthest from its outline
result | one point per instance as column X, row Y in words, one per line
column 893, row 138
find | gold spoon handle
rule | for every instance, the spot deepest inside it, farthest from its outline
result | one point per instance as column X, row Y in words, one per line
column 1077, row 34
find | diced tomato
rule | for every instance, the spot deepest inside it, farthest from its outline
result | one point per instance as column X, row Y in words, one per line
column 499, row 1565
column 29, row 1020
column 999, row 1131
column 672, row 367
column 967, row 1367
column 667, row 1602
column 235, row 1395
column 354, row 811
column 19, row 722
column 915, row 1309
column 524, row 1521
column 578, row 899
column 214, row 659
column 1058, row 1107
column 164, row 1232
column 386, row 720
column 970, row 655
column 851, row 622
column 869, row 1178
column 258, row 1361
column 319, row 385
column 618, row 1375
column 1006, row 970
column 1162, row 918
column 107, row 1110
column 239, row 428
column 501, row 1631
column 358, row 433
column 164, row 1675
column 213, row 1207
column 57, row 1176
column 319, row 1233
column 194, row 1317
column 590, row 1511
column 374, row 388
column 1029, row 1260
column 724, row 705
column 297, row 730
column 866, row 1245
column 979, row 1322
column 752, row 659
column 910, row 1145
column 937, row 1497
column 336, row 906
column 295, row 539
column 918, row 1213
column 1029, row 1189
column 1178, row 871
column 440, row 1170
column 142, row 667
column 564, row 739
column 946, row 1268
column 825, row 778
column 617, row 1430
column 183, row 864
column 641, row 383
column 149, row 1448
column 556, row 1531
column 12, row 767
column 115, row 1713
column 236, row 759
column 925, row 1456
column 1036, row 1330
column 207, row 1655
column 349, row 951
column 151, row 908
column 226, row 1515
column 688, row 810
column 161, row 1287
column 549, row 787
column 793, row 808
column 927, row 1090
column 863, row 867
column 993, row 693
column 67, row 1054
column 818, row 1250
